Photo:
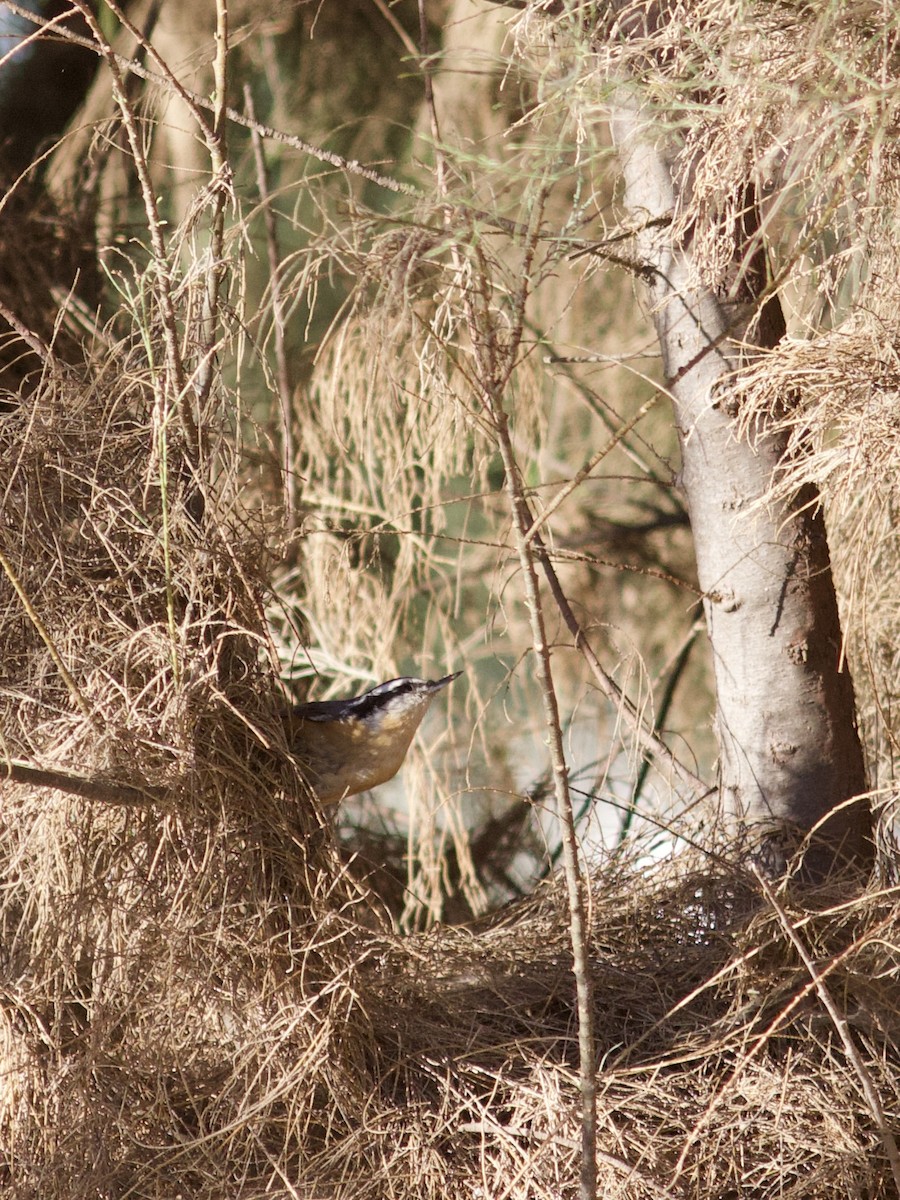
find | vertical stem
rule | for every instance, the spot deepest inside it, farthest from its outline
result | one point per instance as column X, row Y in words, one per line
column 215, row 139
column 176, row 382
column 495, row 362
column 283, row 379
column 575, row 882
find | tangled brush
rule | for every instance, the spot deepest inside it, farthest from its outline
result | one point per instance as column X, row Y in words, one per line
column 135, row 660
column 195, row 1000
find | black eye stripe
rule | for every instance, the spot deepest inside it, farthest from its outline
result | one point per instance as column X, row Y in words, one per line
column 395, row 687
column 377, row 699
column 373, row 701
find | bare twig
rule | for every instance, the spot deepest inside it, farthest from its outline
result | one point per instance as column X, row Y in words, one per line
column 283, row 378
column 221, row 188
column 650, row 742
column 494, row 367
column 867, row 1083
column 583, row 472
column 77, row 785
column 662, row 711
column 28, row 336
column 167, row 75
column 176, row 392
column 167, row 80
column 576, row 887
column 44, row 634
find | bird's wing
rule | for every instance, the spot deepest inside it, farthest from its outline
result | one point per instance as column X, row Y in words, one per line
column 318, row 710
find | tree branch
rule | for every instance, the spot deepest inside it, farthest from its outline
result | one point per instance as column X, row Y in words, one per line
column 77, row 785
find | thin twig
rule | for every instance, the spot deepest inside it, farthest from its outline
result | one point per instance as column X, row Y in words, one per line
column 580, row 475
column 603, row 410
column 28, row 336
column 650, row 742
column 283, row 379
column 221, row 188
column 44, row 634
column 576, row 887
column 408, row 44
column 174, row 361
column 165, row 79
column 659, row 720
column 867, row 1083
column 167, row 75
column 495, row 363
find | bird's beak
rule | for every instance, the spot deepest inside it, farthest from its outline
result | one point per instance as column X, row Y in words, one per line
column 435, row 685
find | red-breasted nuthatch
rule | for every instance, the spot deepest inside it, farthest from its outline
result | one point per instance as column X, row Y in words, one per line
column 349, row 746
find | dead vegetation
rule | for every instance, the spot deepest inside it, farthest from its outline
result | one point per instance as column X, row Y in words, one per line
column 197, row 996
column 197, row 1000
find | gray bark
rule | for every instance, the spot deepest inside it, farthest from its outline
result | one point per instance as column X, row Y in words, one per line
column 789, row 750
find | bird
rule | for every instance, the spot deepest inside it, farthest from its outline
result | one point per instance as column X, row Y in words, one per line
column 349, row 746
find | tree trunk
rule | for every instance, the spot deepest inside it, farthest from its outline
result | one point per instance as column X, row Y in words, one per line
column 790, row 755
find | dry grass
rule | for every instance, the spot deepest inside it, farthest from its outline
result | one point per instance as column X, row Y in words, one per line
column 196, row 1000
column 196, row 996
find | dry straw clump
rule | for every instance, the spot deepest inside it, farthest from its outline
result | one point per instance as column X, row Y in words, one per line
column 134, row 654
column 195, row 1000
